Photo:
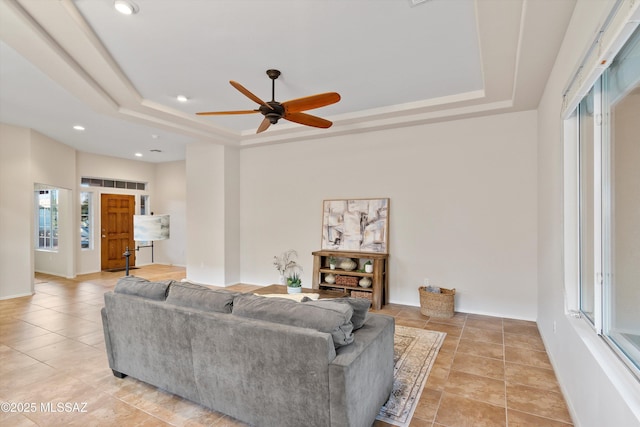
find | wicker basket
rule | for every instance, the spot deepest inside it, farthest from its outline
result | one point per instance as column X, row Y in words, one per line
column 362, row 294
column 437, row 305
column 347, row 280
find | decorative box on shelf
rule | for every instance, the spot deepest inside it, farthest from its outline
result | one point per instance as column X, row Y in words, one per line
column 347, row 280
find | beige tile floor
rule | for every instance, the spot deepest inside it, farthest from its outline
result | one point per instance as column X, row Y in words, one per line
column 489, row 372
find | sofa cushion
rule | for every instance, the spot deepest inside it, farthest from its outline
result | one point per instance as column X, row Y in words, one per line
column 360, row 308
column 332, row 318
column 186, row 294
column 140, row 287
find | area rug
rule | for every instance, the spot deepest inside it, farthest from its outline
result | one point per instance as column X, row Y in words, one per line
column 414, row 353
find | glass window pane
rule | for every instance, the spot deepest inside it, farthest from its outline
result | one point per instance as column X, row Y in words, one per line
column 85, row 220
column 586, row 150
column 622, row 76
column 624, row 279
column 54, row 219
column 143, row 204
column 47, row 206
column 622, row 204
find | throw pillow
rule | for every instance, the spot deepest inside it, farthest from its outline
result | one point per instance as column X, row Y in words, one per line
column 360, row 308
column 140, row 287
column 334, row 319
column 200, row 297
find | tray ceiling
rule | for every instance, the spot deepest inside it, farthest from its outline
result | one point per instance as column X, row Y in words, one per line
column 395, row 64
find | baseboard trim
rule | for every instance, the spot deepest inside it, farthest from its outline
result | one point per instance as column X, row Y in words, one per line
column 17, row 296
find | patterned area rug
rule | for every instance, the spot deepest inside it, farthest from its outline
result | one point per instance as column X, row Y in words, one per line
column 415, row 350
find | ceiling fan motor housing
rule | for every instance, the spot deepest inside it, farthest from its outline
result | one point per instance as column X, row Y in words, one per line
column 274, row 113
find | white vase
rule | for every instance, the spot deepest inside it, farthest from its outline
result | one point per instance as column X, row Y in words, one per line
column 348, row 264
column 330, row 279
column 365, row 282
column 368, row 268
column 294, row 290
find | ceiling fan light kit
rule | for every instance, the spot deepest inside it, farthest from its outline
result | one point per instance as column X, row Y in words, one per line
column 289, row 110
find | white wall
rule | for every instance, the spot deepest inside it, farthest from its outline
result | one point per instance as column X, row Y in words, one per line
column 597, row 387
column 28, row 157
column 16, row 201
column 462, row 208
column 52, row 162
column 171, row 198
column 232, row 215
column 52, row 165
column 212, row 188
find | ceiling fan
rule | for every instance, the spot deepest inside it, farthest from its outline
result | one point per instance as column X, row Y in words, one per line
column 289, row 110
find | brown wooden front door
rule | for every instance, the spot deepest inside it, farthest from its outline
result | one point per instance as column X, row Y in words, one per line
column 117, row 230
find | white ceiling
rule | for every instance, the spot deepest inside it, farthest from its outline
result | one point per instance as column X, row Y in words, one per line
column 68, row 62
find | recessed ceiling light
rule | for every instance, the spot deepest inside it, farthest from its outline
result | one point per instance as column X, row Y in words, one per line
column 78, row 127
column 182, row 98
column 126, row 7
column 138, row 154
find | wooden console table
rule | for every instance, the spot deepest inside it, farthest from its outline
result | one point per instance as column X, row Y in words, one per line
column 377, row 293
column 282, row 289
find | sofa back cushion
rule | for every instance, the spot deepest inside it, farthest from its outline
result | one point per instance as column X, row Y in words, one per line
column 200, row 297
column 137, row 286
column 332, row 318
column 360, row 308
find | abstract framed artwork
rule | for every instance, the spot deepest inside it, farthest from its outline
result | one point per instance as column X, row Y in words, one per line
column 360, row 225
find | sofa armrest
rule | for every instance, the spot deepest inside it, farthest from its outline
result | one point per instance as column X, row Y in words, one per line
column 107, row 337
column 361, row 375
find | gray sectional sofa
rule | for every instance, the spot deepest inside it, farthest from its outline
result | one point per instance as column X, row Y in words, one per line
column 265, row 361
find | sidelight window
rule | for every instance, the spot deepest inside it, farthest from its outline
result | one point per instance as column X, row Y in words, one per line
column 47, row 230
column 86, row 202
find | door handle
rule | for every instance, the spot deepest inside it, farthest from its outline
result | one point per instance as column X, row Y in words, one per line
column 103, row 236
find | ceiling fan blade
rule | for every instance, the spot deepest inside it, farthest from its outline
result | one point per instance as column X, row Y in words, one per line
column 307, row 119
column 218, row 113
column 248, row 94
column 264, row 125
column 311, row 102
